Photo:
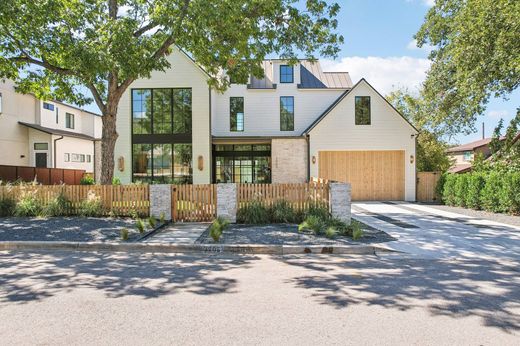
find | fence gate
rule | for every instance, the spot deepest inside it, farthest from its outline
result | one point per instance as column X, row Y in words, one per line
column 194, row 203
column 426, row 184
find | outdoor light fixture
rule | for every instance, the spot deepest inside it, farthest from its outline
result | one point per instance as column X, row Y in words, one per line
column 121, row 163
column 412, row 158
column 313, row 159
column 200, row 163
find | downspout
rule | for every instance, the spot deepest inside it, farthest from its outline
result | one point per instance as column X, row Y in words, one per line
column 55, row 160
column 308, row 157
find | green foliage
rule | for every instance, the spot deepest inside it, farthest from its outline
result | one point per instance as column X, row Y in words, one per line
column 116, row 181
column 7, row 206
column 331, row 232
column 461, row 189
column 491, row 192
column 476, row 182
column 282, row 212
column 313, row 223
column 87, row 180
column 139, row 224
column 319, row 211
column 124, row 234
column 448, row 193
column 91, row 206
column 162, row 218
column 475, row 57
column 58, row 206
column 217, row 228
column 152, row 222
column 357, row 231
column 28, row 205
column 253, row 213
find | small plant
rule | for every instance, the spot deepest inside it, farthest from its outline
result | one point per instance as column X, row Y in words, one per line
column 139, row 224
column 87, row 180
column 318, row 211
column 217, row 228
column 58, row 206
column 331, row 232
column 91, row 206
column 134, row 214
column 124, row 234
column 282, row 212
column 162, row 218
column 152, row 222
column 312, row 223
column 357, row 231
column 254, row 213
column 116, row 181
column 28, row 205
column 7, row 206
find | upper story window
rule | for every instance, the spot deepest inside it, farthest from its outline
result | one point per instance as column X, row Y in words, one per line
column 0, row 103
column 286, row 74
column 57, row 117
column 236, row 113
column 161, row 111
column 362, row 110
column 467, row 155
column 69, row 120
column 41, row 146
column 287, row 113
column 48, row 106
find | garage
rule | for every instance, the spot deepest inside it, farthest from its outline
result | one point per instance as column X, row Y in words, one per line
column 373, row 174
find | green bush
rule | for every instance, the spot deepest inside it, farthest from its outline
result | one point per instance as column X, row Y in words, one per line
column 282, row 212
column 331, row 232
column 491, row 192
column 58, row 206
column 513, row 186
column 87, row 180
column 439, row 188
column 91, row 206
column 139, row 224
column 313, row 223
column 461, row 189
column 476, row 182
column 448, row 193
column 7, row 206
column 28, row 205
column 217, row 228
column 152, row 222
column 116, row 181
column 253, row 213
column 124, row 234
column 162, row 218
column 319, row 211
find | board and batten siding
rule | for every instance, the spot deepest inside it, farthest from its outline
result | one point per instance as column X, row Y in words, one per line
column 183, row 73
column 388, row 131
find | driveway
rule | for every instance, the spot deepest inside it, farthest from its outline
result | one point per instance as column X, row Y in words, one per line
column 428, row 232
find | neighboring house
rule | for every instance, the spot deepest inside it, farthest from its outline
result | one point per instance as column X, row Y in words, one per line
column 49, row 134
column 463, row 155
column 296, row 123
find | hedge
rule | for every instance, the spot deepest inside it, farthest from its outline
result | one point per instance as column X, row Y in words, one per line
column 497, row 192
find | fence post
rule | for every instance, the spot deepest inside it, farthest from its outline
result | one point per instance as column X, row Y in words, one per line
column 227, row 201
column 340, row 201
column 161, row 201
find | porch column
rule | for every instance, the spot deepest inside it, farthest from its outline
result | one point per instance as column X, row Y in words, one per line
column 161, row 201
column 227, row 201
column 340, row 201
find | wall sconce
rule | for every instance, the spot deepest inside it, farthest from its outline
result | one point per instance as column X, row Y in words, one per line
column 313, row 159
column 121, row 164
column 412, row 135
column 22, row 156
column 412, row 159
column 200, row 162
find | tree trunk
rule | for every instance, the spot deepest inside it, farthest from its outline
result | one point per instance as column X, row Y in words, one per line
column 108, row 144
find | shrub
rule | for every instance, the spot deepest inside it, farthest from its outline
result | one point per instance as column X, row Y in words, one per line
column 317, row 210
column 116, row 181
column 514, row 192
column 331, row 232
column 313, row 223
column 282, row 212
column 124, row 234
column 91, row 206
column 490, row 192
column 253, row 213
column 152, row 222
column 217, row 228
column 448, row 193
column 58, row 206
column 7, row 206
column 162, row 218
column 357, row 233
column 28, row 205
column 461, row 189
column 139, row 224
column 339, row 226
column 476, row 183
column 87, row 180
column 439, row 188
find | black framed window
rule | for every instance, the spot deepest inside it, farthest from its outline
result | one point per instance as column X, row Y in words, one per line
column 181, row 110
column 362, row 110
column 236, row 114
column 244, row 163
column 162, row 110
column 69, row 120
column 57, row 116
column 286, row 74
column 287, row 113
column 48, row 106
column 162, row 163
column 142, row 111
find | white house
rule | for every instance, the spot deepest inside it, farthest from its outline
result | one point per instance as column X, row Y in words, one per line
column 49, row 134
column 296, row 123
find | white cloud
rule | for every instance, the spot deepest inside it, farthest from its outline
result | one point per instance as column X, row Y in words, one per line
column 385, row 74
column 428, row 3
column 498, row 114
column 412, row 45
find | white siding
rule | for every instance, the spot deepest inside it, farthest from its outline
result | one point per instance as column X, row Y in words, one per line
column 182, row 74
column 71, row 145
column 388, row 131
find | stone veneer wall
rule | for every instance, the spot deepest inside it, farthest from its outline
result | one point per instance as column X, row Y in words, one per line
column 340, row 201
column 161, row 201
column 289, row 160
column 227, row 201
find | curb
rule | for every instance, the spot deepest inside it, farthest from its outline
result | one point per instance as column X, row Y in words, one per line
column 193, row 248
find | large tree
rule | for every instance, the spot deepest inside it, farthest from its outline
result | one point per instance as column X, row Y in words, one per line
column 475, row 56
column 55, row 48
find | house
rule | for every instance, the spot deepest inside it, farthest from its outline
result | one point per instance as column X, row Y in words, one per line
column 48, row 134
column 463, row 155
column 296, row 123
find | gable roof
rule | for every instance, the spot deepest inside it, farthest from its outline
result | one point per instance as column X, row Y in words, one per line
column 58, row 132
column 342, row 96
column 471, row 145
column 313, row 77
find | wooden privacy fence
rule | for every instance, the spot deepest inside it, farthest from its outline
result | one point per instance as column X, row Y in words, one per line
column 45, row 176
column 426, row 185
column 194, row 203
column 122, row 200
column 300, row 195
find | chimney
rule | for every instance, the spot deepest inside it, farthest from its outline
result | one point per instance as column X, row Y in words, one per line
column 483, row 131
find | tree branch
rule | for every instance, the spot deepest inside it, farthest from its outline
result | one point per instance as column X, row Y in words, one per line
column 43, row 63
column 97, row 97
column 144, row 29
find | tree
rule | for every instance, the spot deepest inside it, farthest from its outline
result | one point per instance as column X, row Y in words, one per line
column 505, row 150
column 431, row 151
column 54, row 48
column 475, row 57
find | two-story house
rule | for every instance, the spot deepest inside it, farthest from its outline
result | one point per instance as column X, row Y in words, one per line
column 464, row 155
column 295, row 123
column 49, row 134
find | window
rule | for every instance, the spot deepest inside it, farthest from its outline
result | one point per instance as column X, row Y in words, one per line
column 69, row 120
column 467, row 156
column 89, row 158
column 57, row 118
column 236, row 113
column 287, row 113
column 181, row 110
column 67, row 158
column 142, row 111
column 242, row 163
column 41, row 146
column 0, row 103
column 362, row 105
column 162, row 110
column 162, row 163
column 48, row 106
column 77, row 157
column 286, row 74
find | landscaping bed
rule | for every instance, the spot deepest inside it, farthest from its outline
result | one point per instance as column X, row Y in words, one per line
column 73, row 229
column 288, row 234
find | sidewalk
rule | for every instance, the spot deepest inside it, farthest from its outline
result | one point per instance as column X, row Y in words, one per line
column 179, row 233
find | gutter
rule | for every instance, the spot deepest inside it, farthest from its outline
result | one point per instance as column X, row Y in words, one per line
column 57, row 139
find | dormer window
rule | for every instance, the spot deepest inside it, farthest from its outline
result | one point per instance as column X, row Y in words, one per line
column 286, row 74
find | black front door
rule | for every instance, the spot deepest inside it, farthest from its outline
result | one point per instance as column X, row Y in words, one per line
column 41, row 160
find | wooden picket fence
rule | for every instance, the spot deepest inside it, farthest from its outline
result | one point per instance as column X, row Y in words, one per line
column 121, row 200
column 426, row 186
column 300, row 195
column 194, row 203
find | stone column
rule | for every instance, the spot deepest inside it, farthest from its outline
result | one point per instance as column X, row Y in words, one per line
column 161, row 201
column 340, row 201
column 227, row 201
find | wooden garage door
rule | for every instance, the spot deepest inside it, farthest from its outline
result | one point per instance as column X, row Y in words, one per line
column 374, row 175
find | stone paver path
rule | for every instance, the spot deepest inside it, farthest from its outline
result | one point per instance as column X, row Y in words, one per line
column 179, row 233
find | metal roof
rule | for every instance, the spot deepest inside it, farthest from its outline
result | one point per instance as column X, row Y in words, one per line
column 313, row 77
column 58, row 132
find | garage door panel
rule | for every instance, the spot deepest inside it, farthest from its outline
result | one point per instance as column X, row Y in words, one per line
column 374, row 175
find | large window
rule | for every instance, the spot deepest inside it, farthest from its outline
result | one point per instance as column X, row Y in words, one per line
column 162, row 163
column 142, row 111
column 362, row 110
column 69, row 120
column 287, row 113
column 244, row 163
column 236, row 113
column 162, row 111
column 182, row 111
column 286, row 74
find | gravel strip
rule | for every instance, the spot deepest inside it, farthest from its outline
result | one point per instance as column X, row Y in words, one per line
column 74, row 229
column 503, row 218
column 287, row 234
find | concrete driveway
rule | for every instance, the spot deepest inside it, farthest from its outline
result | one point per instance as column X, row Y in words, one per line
column 428, row 232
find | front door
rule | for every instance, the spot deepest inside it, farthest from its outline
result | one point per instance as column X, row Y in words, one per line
column 41, row 160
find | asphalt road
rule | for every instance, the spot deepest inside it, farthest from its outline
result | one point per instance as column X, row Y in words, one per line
column 68, row 298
